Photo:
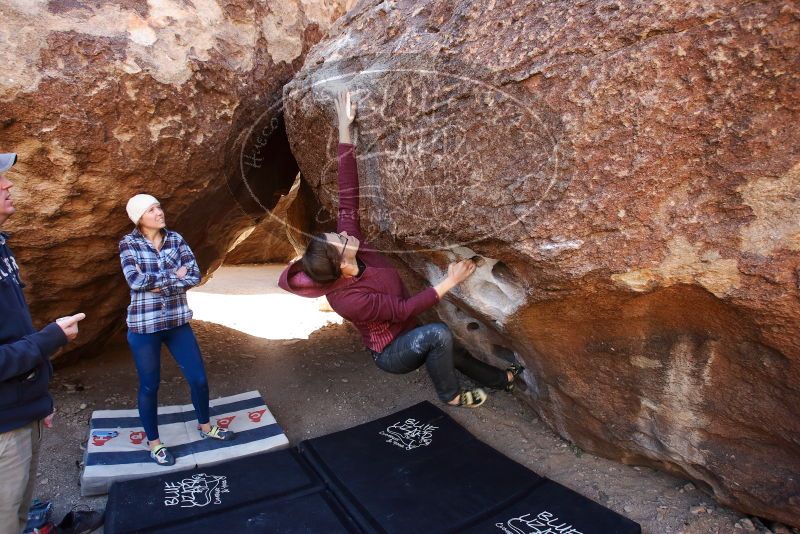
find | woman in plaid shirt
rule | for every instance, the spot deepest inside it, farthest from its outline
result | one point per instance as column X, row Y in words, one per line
column 159, row 267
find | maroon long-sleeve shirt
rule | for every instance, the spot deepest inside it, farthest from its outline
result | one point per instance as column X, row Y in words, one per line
column 377, row 302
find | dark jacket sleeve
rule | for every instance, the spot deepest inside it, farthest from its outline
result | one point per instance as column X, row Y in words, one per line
column 348, row 192
column 380, row 307
column 27, row 353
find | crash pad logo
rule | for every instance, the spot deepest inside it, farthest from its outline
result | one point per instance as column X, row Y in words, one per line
column 100, row 437
column 542, row 523
column 197, row 491
column 225, row 422
column 256, row 415
column 409, row 435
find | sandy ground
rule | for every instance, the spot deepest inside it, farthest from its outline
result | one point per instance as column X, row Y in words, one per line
column 328, row 382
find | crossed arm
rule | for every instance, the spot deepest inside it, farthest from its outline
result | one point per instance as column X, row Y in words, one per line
column 188, row 275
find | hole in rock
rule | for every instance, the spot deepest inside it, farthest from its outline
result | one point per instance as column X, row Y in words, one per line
column 479, row 261
column 264, row 168
column 503, row 273
column 504, row 352
column 703, row 485
column 492, row 296
column 473, row 326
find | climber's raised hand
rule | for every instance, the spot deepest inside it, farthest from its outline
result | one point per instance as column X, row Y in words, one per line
column 346, row 113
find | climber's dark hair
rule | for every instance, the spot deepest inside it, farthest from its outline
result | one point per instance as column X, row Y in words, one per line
column 322, row 260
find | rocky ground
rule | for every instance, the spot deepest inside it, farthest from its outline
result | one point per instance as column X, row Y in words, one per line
column 328, row 382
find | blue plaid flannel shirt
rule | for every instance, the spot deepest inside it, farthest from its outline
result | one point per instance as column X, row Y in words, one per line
column 146, row 269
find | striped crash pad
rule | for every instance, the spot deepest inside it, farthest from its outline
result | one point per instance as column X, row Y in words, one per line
column 117, row 447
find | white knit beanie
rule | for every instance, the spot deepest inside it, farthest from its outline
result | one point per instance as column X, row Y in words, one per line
column 139, row 204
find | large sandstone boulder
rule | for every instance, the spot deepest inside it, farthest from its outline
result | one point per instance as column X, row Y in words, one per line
column 629, row 173
column 103, row 100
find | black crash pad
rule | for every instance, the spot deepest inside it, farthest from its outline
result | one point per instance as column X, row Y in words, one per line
column 553, row 509
column 415, row 471
column 272, row 492
column 419, row 471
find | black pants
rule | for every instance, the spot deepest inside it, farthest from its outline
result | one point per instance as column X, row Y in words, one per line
column 432, row 345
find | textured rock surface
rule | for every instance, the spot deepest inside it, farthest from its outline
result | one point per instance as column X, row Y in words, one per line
column 631, row 174
column 103, row 100
column 267, row 242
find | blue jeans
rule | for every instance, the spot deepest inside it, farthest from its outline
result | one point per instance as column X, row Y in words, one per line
column 432, row 345
column 183, row 346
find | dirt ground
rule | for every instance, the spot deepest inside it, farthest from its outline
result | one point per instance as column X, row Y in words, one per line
column 327, row 383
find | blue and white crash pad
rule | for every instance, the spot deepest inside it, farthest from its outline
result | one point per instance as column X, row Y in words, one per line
column 117, row 447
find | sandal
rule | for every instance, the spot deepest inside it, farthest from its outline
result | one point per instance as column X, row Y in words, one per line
column 515, row 369
column 161, row 455
column 471, row 398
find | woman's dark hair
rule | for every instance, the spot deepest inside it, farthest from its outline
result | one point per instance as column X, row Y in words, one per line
column 322, row 260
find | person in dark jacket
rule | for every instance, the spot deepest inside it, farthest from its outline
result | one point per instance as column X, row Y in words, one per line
column 25, row 372
column 362, row 286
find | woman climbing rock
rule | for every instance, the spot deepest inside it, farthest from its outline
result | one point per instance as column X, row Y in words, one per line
column 363, row 287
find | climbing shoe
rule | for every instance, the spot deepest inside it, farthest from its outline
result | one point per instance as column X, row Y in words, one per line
column 515, row 369
column 161, row 455
column 471, row 398
column 219, row 433
column 39, row 515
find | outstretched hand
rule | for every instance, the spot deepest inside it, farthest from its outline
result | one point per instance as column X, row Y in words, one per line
column 69, row 325
column 456, row 273
column 460, row 271
column 345, row 108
